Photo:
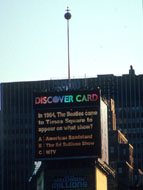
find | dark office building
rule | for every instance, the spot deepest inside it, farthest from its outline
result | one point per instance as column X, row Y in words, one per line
column 121, row 159
column 17, row 120
column 17, row 130
column 127, row 92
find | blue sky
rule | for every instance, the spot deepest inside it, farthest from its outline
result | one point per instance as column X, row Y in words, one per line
column 106, row 37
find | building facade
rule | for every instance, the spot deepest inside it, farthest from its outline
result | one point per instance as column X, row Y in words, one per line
column 127, row 92
column 121, row 159
column 17, row 120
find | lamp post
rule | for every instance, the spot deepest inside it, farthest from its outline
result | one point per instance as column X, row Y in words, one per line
column 68, row 17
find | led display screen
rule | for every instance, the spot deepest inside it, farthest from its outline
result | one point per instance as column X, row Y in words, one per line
column 70, row 179
column 67, row 125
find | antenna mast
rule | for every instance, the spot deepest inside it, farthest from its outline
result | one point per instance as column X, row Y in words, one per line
column 68, row 17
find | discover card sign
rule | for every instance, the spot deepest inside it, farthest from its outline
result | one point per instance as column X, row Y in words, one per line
column 66, row 99
column 67, row 125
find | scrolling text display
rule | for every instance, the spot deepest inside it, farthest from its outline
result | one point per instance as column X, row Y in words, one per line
column 67, row 132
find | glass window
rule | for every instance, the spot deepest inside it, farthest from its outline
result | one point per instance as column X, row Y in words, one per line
column 124, row 151
column 120, row 170
column 112, row 149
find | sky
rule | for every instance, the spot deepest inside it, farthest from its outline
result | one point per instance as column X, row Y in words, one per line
column 106, row 37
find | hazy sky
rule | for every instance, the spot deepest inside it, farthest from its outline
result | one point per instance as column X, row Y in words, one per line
column 106, row 37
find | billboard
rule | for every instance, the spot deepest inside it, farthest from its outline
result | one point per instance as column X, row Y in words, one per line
column 71, row 178
column 67, row 125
